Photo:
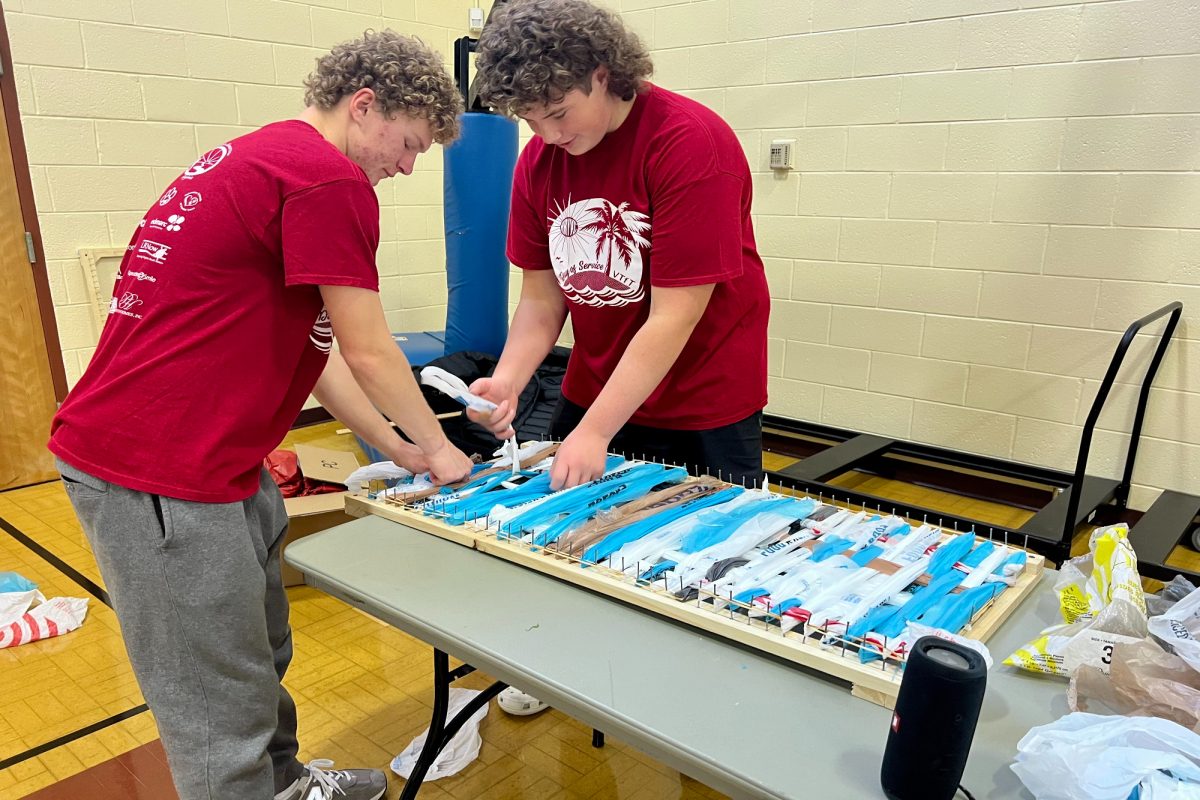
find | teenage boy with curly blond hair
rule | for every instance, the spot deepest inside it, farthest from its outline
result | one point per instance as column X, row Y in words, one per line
column 631, row 215
column 221, row 324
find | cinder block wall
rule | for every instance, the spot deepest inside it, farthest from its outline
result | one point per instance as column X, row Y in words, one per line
column 118, row 96
column 986, row 193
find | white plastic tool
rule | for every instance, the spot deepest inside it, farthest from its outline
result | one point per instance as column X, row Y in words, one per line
column 452, row 386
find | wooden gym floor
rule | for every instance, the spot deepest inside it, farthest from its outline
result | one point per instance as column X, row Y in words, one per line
column 73, row 723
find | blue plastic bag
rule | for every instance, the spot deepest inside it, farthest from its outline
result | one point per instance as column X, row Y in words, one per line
column 12, row 582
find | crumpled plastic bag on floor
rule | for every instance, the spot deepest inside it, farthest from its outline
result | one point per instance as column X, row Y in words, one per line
column 462, row 749
column 1101, row 599
column 1143, row 680
column 1091, row 757
column 14, row 582
column 21, row 621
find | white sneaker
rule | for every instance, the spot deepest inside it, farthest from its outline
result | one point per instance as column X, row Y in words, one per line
column 513, row 701
column 321, row 783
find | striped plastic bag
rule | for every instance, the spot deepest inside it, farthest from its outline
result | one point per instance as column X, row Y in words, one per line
column 28, row 616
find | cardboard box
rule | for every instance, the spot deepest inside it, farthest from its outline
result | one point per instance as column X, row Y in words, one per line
column 319, row 511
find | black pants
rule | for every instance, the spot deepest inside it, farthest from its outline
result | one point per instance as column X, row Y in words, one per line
column 732, row 452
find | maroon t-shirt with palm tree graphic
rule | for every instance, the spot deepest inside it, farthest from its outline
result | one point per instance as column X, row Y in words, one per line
column 216, row 331
column 664, row 200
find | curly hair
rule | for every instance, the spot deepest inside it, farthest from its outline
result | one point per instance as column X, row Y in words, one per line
column 532, row 52
column 406, row 75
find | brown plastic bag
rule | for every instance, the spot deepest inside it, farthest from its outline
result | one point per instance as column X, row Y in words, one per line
column 1144, row 681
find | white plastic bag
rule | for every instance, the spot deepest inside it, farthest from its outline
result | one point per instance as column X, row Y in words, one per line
column 462, row 749
column 1177, row 629
column 1102, row 604
column 1091, row 757
column 1159, row 786
column 379, row 471
column 22, row 622
column 915, row 630
column 13, row 605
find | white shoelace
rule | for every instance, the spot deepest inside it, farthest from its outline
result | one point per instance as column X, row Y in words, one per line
column 326, row 778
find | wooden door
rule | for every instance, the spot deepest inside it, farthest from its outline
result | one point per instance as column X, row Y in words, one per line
column 27, row 396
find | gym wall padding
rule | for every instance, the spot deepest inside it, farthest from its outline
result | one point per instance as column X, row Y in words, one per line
column 477, row 181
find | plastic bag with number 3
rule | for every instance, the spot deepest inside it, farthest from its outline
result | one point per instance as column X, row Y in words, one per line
column 1102, row 603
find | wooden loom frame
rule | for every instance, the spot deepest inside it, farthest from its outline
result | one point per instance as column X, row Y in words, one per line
column 877, row 682
column 99, row 291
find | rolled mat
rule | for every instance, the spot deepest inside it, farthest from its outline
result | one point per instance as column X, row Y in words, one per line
column 477, row 181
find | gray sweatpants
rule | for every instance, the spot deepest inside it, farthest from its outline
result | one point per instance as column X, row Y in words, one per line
column 197, row 590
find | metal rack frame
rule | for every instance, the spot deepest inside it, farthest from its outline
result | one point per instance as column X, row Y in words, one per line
column 1074, row 497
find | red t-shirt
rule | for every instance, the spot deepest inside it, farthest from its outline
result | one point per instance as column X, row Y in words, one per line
column 664, row 200
column 216, row 331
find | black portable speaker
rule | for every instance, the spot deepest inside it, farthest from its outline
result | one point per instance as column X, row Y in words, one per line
column 934, row 721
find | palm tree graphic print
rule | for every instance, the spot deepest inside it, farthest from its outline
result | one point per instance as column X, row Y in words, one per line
column 596, row 250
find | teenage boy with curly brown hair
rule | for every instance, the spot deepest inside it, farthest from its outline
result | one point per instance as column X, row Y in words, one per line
column 631, row 215
column 222, row 322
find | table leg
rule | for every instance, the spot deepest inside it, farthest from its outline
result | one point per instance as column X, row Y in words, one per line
column 441, row 731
